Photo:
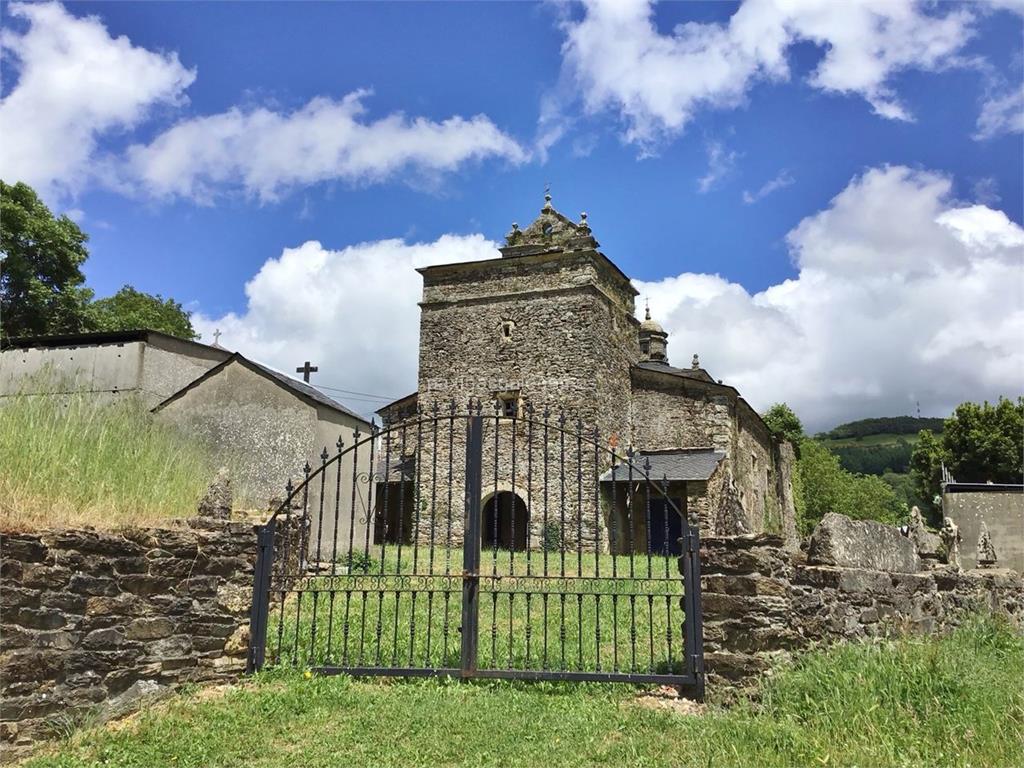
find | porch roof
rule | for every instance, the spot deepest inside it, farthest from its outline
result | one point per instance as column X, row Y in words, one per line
column 690, row 464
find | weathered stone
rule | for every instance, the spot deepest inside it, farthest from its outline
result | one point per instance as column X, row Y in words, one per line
column 92, row 542
column 234, row 598
column 838, row 540
column 120, row 605
column 38, row 618
column 238, row 643
column 112, row 637
column 11, row 570
column 149, row 628
column 216, row 502
column 92, row 585
column 25, row 548
column 139, row 584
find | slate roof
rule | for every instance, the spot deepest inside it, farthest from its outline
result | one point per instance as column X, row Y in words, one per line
column 684, row 464
column 687, row 373
column 300, row 388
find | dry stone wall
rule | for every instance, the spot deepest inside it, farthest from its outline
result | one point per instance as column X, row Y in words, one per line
column 93, row 623
column 762, row 602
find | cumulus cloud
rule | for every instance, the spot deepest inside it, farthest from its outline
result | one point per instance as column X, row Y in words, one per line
column 782, row 179
column 352, row 311
column 657, row 82
column 902, row 294
column 76, row 83
column 263, row 152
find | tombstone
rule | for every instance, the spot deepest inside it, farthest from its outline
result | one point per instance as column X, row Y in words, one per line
column 950, row 535
column 986, row 550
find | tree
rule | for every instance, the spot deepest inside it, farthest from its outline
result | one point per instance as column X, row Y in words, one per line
column 979, row 443
column 42, row 287
column 784, row 423
column 824, row 486
column 129, row 309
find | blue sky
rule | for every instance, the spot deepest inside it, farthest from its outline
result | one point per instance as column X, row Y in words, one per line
column 714, row 150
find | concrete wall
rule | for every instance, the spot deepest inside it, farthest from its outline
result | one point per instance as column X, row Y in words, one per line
column 1001, row 511
column 108, row 371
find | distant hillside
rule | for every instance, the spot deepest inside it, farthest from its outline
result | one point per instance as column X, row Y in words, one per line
column 878, row 446
column 887, row 426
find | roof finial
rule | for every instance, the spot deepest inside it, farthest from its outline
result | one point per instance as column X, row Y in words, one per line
column 647, row 308
column 216, row 336
column 547, row 195
column 696, row 362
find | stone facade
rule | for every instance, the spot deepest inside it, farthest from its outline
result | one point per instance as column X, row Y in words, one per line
column 762, row 602
column 92, row 623
column 268, row 426
column 551, row 325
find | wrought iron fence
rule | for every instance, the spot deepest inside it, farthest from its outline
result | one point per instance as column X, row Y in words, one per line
column 504, row 545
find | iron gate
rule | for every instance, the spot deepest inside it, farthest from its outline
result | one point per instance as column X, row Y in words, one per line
column 505, row 545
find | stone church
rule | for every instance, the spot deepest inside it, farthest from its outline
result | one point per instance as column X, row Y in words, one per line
column 551, row 326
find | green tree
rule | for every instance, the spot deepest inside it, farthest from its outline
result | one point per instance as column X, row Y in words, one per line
column 824, row 486
column 129, row 309
column 784, row 423
column 42, row 287
column 979, row 443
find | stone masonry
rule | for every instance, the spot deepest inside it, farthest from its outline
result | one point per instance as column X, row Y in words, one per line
column 93, row 623
column 762, row 602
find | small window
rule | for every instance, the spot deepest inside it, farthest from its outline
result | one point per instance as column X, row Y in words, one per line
column 508, row 404
column 507, row 327
column 645, row 347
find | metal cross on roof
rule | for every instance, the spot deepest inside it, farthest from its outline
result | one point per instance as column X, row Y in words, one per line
column 216, row 336
column 305, row 370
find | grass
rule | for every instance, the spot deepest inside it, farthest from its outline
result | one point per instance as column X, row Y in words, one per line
column 578, row 621
column 951, row 701
column 71, row 461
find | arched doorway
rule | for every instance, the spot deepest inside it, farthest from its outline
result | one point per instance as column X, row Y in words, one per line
column 506, row 522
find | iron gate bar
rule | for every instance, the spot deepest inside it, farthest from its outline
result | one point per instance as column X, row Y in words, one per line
column 648, row 652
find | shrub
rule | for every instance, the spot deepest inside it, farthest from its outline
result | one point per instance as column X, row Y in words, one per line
column 357, row 562
column 551, row 537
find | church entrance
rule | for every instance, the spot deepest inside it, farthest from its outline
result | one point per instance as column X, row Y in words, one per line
column 505, row 522
column 666, row 528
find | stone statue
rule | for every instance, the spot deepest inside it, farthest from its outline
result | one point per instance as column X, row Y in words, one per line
column 950, row 535
column 986, row 551
column 929, row 546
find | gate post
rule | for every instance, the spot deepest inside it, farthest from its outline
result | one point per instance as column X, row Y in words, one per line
column 260, row 609
column 694, row 611
column 471, row 545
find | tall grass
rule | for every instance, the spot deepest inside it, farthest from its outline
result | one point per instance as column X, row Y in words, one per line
column 69, row 460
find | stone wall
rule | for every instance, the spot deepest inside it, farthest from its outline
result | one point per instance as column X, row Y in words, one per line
column 92, row 624
column 762, row 602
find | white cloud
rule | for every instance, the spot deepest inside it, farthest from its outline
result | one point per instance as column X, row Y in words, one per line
column 721, row 162
column 75, row 84
column 1001, row 114
column 902, row 294
column 352, row 311
column 265, row 153
column 656, row 82
column 782, row 179
column 78, row 85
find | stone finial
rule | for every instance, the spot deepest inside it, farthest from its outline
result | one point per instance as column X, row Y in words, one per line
column 583, row 228
column 216, row 502
column 647, row 309
column 515, row 235
column 547, row 200
column 986, row 550
column 696, row 362
column 950, row 535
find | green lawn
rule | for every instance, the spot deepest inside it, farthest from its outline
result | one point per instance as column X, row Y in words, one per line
column 956, row 701
column 575, row 619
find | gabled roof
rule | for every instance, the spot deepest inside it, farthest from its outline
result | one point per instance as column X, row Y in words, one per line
column 690, row 464
column 301, row 389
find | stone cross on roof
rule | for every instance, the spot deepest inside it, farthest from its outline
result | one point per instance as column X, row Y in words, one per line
column 305, row 370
